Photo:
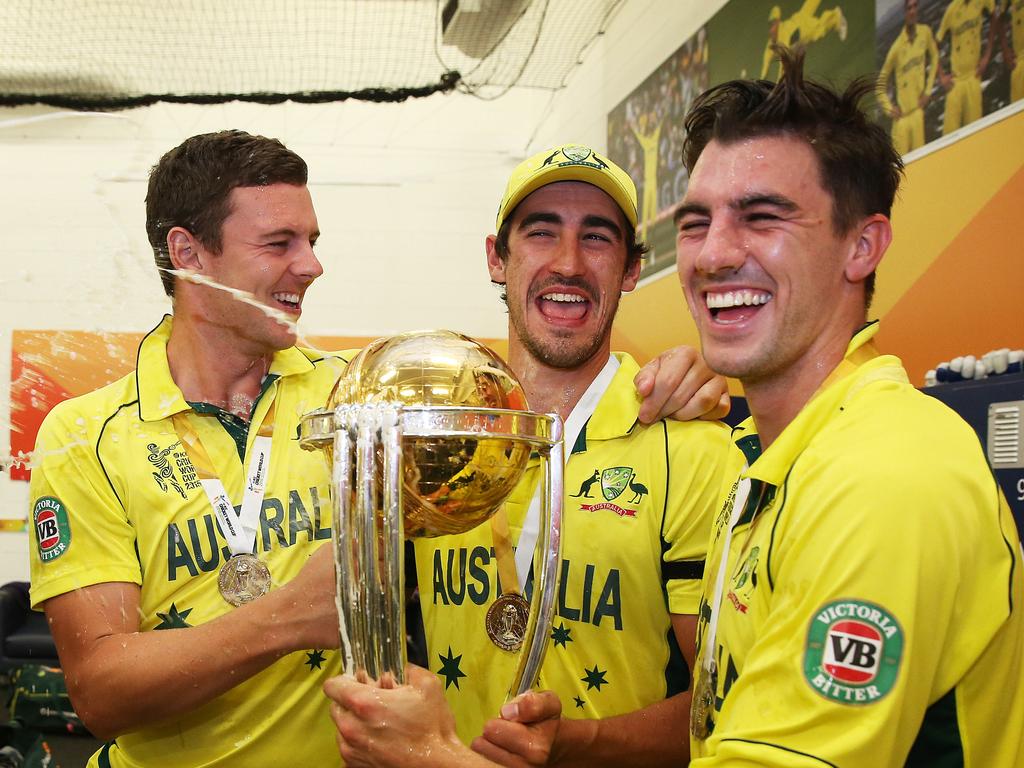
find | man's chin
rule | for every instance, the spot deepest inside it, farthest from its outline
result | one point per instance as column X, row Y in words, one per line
column 565, row 356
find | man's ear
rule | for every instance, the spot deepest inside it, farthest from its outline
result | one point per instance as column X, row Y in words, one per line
column 495, row 264
column 872, row 240
column 629, row 280
column 184, row 250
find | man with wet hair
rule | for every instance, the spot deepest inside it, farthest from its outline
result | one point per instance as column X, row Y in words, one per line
column 862, row 600
column 156, row 589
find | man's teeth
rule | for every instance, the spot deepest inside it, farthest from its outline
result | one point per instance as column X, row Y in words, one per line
column 737, row 299
column 572, row 297
column 287, row 298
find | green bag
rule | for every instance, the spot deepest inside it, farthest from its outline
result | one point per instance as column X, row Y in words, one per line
column 22, row 748
column 39, row 700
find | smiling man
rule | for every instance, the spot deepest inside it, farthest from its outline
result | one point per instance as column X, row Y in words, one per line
column 174, row 515
column 634, row 537
column 862, row 601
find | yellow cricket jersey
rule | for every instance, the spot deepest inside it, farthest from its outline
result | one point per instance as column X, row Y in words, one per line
column 1016, row 10
column 639, row 501
column 963, row 19
column 914, row 63
column 115, row 498
column 871, row 613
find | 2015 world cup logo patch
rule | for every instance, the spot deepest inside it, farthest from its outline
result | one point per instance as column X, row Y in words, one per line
column 53, row 531
column 853, row 651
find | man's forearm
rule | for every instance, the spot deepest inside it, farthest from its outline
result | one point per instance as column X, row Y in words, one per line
column 653, row 736
column 112, row 678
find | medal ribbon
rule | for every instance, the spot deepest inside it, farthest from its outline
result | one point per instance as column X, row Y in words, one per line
column 847, row 366
column 518, row 571
column 239, row 530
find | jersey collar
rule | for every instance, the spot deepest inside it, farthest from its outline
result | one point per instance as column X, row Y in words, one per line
column 774, row 463
column 160, row 397
column 618, row 409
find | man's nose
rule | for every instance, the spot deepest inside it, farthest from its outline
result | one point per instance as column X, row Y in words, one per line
column 723, row 249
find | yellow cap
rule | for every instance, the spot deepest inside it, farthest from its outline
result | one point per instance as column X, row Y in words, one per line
column 570, row 162
column 775, row 14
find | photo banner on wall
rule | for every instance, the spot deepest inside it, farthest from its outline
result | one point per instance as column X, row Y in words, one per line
column 645, row 137
column 961, row 61
column 944, row 64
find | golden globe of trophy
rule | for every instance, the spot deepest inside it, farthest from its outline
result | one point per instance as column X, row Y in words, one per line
column 428, row 433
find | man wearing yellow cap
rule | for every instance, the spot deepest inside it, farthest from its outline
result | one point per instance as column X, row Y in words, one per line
column 638, row 505
column 803, row 27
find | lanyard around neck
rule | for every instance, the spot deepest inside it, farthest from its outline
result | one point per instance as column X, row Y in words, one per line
column 578, row 417
column 239, row 529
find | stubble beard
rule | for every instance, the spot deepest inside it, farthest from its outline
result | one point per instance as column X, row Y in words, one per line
column 566, row 351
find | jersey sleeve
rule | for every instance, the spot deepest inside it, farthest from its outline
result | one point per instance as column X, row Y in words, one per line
column 698, row 459
column 79, row 532
column 869, row 573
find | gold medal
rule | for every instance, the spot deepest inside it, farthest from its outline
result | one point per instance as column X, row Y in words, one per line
column 702, row 708
column 243, row 578
column 506, row 621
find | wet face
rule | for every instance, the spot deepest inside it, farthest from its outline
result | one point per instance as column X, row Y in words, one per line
column 267, row 254
column 760, row 264
column 565, row 271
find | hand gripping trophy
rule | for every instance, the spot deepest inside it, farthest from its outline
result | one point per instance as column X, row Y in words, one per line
column 428, row 433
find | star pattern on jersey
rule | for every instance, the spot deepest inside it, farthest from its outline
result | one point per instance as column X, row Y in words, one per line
column 315, row 659
column 561, row 634
column 173, row 619
column 595, row 678
column 450, row 669
column 579, row 702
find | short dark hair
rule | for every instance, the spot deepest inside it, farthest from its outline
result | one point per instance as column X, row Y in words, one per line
column 636, row 249
column 191, row 184
column 859, row 166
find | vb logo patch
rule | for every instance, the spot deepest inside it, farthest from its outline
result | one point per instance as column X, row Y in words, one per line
column 53, row 531
column 853, row 652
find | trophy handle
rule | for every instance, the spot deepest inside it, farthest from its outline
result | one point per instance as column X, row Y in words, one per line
column 392, row 551
column 368, row 540
column 542, row 606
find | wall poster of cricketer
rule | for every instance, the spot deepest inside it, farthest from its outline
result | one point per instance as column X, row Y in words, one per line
column 945, row 63
column 645, row 137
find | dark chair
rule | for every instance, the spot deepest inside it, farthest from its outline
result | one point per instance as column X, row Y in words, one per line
column 24, row 634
